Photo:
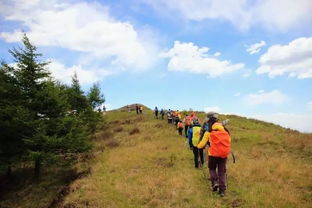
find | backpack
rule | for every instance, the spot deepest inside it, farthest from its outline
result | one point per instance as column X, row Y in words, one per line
column 188, row 121
column 220, row 144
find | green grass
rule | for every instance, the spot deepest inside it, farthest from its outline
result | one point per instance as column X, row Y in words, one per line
column 142, row 162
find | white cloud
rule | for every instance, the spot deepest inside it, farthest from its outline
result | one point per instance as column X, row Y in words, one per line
column 64, row 74
column 273, row 97
column 300, row 122
column 255, row 48
column 212, row 108
column 188, row 57
column 217, row 54
column 237, row 94
column 309, row 104
column 82, row 27
column 294, row 59
column 272, row 14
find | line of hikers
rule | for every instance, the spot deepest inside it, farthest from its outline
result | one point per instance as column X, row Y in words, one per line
column 211, row 134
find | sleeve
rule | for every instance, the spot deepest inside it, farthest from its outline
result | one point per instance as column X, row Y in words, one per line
column 204, row 141
column 190, row 135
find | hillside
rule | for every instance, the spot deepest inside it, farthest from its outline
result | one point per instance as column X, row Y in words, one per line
column 139, row 161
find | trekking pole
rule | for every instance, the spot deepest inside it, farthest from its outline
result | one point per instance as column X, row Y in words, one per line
column 226, row 175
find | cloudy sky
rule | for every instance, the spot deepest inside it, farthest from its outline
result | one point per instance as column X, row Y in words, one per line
column 247, row 57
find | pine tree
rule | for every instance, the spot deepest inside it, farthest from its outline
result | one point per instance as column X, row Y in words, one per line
column 95, row 98
column 41, row 105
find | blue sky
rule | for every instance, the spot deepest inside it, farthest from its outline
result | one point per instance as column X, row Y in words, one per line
column 251, row 58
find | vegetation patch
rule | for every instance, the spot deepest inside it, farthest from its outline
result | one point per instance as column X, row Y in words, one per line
column 118, row 129
column 112, row 143
column 134, row 131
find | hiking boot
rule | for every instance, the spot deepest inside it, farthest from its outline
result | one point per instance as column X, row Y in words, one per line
column 215, row 187
column 221, row 193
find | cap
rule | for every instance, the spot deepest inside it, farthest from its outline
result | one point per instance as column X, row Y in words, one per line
column 212, row 115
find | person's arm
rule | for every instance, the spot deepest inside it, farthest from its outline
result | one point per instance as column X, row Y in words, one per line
column 204, row 141
column 190, row 136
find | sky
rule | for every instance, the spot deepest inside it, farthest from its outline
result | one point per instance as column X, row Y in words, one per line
column 244, row 57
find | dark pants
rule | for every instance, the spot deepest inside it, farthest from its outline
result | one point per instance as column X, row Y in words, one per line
column 186, row 128
column 176, row 121
column 180, row 131
column 198, row 153
column 219, row 163
column 156, row 114
column 169, row 120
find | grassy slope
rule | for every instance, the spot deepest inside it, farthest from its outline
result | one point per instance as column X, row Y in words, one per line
column 154, row 167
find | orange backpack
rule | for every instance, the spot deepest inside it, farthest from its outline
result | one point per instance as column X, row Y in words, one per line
column 187, row 121
column 220, row 144
column 180, row 125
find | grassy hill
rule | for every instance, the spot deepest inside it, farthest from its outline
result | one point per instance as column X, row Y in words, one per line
column 139, row 161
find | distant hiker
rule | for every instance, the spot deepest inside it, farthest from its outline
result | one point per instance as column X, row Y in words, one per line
column 128, row 107
column 187, row 124
column 193, row 137
column 177, row 117
column 104, row 109
column 180, row 127
column 141, row 109
column 156, row 112
column 99, row 110
column 205, row 128
column 169, row 116
column 193, row 117
column 137, row 109
column 220, row 146
column 162, row 113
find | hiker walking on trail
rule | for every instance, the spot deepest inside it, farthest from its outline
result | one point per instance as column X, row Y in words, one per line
column 180, row 127
column 137, row 109
column 193, row 138
column 169, row 116
column 162, row 114
column 187, row 124
column 220, row 146
column 156, row 112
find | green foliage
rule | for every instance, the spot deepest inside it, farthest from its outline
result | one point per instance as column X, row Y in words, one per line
column 40, row 119
column 95, row 97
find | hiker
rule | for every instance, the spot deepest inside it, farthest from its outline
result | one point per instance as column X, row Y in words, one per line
column 104, row 110
column 169, row 116
column 220, row 143
column 137, row 109
column 156, row 112
column 205, row 128
column 162, row 113
column 187, row 122
column 141, row 109
column 128, row 107
column 180, row 127
column 193, row 138
column 177, row 117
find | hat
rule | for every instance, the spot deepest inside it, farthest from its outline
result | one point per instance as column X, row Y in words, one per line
column 212, row 115
column 195, row 121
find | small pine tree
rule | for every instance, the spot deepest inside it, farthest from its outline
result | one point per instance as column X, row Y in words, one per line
column 95, row 98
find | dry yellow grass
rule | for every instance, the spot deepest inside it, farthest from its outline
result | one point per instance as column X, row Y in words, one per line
column 154, row 168
column 139, row 161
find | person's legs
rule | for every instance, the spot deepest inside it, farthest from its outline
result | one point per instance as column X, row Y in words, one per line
column 185, row 130
column 221, row 174
column 180, row 131
column 201, row 155
column 212, row 165
column 195, row 152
